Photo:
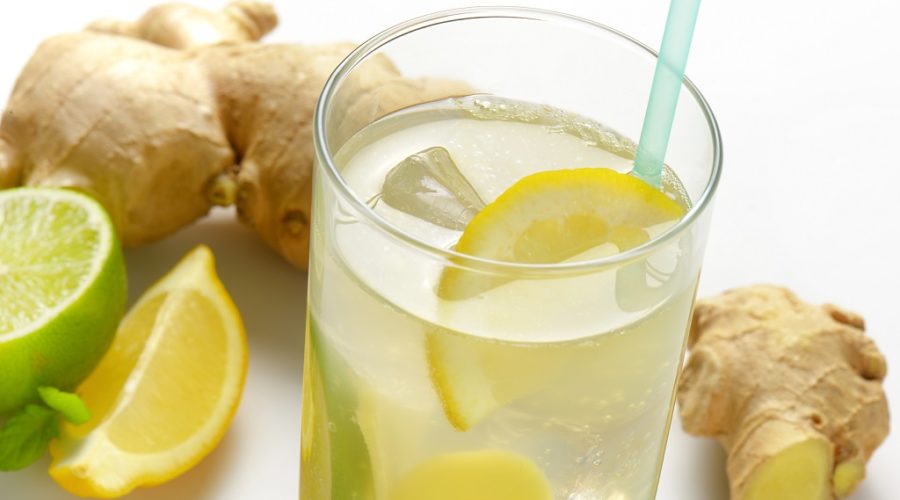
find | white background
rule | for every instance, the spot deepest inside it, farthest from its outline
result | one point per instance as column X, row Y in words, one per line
column 807, row 94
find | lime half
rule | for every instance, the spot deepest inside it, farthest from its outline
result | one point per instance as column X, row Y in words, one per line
column 62, row 290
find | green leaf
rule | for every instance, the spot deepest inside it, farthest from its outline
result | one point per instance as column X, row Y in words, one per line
column 70, row 406
column 24, row 437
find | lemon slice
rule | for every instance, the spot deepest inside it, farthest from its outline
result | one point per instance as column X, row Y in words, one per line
column 544, row 218
column 474, row 377
column 476, row 475
column 164, row 394
column 62, row 290
column 554, row 215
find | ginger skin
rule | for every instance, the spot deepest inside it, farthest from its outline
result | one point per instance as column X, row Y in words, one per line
column 792, row 391
column 160, row 132
column 183, row 26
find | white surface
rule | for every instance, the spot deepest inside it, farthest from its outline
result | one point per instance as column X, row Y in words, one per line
column 808, row 97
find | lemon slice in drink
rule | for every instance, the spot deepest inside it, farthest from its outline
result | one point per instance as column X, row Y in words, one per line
column 547, row 217
column 62, row 290
column 552, row 216
column 164, row 394
column 474, row 475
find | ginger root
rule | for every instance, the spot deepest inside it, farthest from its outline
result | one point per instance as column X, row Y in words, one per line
column 792, row 391
column 165, row 117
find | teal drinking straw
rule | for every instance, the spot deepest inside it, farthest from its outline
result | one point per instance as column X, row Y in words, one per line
column 667, row 78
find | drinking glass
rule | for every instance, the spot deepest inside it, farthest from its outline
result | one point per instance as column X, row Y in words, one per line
column 555, row 378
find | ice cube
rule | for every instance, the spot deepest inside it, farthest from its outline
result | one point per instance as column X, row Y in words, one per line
column 428, row 185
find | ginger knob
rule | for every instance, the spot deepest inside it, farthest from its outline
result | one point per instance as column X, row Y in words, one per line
column 792, row 391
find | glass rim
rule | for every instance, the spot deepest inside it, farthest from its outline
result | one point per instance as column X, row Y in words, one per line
column 370, row 46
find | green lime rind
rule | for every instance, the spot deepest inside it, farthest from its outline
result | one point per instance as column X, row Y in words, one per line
column 351, row 467
column 60, row 351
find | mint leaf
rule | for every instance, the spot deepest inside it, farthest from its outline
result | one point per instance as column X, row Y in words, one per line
column 70, row 406
column 24, row 437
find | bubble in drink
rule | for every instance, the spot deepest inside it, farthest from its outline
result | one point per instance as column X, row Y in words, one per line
column 428, row 185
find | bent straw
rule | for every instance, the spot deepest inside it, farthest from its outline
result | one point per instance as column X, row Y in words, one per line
column 664, row 92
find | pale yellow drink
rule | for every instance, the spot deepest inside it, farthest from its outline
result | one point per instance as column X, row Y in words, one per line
column 573, row 372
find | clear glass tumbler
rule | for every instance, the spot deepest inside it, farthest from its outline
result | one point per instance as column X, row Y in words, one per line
column 432, row 374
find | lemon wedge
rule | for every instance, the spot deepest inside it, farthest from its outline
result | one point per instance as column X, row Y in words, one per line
column 165, row 392
column 547, row 217
column 474, row 475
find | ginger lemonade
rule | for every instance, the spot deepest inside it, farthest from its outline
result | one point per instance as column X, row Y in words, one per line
column 440, row 378
column 497, row 307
